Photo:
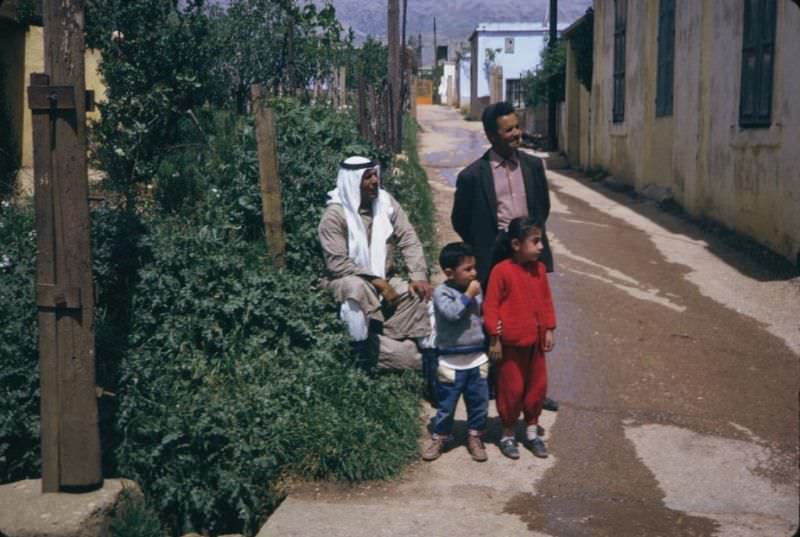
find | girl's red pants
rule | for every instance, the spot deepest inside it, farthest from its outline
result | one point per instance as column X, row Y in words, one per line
column 521, row 385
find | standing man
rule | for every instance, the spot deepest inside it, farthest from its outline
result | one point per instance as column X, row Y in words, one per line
column 503, row 184
column 358, row 232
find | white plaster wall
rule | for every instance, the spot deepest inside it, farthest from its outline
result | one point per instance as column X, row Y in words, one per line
column 463, row 74
column 526, row 56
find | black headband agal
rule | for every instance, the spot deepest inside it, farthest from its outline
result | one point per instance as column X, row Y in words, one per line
column 360, row 166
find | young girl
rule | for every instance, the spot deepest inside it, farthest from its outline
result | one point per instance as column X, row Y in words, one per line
column 518, row 295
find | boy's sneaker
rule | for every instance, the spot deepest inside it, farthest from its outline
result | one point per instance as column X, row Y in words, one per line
column 475, row 448
column 508, row 447
column 538, row 448
column 434, row 448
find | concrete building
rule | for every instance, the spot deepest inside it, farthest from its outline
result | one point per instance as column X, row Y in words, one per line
column 22, row 53
column 698, row 97
column 509, row 49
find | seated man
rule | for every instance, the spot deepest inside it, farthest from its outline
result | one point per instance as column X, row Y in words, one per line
column 359, row 230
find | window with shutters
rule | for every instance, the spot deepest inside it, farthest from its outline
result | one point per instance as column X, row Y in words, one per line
column 620, row 16
column 758, row 53
column 666, row 57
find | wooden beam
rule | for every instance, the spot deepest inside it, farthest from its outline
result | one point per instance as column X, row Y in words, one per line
column 269, row 180
column 70, row 434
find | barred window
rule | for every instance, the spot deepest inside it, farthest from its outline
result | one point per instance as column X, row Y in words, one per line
column 666, row 57
column 620, row 21
column 758, row 53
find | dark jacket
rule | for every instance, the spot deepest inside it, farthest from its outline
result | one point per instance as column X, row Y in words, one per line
column 474, row 215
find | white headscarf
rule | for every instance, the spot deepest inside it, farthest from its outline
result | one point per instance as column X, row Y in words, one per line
column 369, row 254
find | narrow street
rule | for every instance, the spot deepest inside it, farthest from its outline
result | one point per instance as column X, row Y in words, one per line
column 676, row 369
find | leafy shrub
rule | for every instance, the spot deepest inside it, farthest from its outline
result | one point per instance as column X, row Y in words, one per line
column 230, row 374
column 19, row 374
column 536, row 85
column 237, row 373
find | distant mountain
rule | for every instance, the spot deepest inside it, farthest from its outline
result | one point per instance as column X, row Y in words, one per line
column 455, row 19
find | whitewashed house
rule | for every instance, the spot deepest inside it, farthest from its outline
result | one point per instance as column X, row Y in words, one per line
column 508, row 49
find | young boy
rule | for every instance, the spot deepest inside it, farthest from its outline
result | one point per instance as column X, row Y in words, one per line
column 463, row 363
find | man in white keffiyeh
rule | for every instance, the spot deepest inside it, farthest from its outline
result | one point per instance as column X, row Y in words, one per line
column 359, row 230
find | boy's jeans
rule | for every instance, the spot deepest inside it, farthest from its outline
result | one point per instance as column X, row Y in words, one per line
column 473, row 384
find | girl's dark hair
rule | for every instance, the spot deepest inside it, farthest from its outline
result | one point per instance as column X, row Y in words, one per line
column 518, row 228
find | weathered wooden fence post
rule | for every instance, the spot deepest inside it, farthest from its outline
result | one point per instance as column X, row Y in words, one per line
column 395, row 78
column 363, row 111
column 341, row 86
column 64, row 285
column 271, row 205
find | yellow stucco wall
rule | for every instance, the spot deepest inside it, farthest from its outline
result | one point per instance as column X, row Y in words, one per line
column 26, row 47
column 747, row 179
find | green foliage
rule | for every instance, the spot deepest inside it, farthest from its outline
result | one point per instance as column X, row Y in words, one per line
column 155, row 59
column 230, row 375
column 369, row 62
column 582, row 41
column 134, row 518
column 19, row 375
column 253, row 42
column 536, row 85
column 238, row 374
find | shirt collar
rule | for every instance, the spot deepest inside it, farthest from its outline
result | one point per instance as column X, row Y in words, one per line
column 497, row 160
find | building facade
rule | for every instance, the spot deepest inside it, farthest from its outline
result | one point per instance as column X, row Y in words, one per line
column 699, row 96
column 509, row 49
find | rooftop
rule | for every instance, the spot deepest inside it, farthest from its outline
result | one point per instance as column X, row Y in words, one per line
column 516, row 27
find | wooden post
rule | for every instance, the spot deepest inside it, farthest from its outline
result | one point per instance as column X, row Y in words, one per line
column 341, row 87
column 395, row 88
column 363, row 112
column 290, row 66
column 271, row 205
column 64, row 285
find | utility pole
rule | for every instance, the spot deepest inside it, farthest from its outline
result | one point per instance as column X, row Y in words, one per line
column 435, row 48
column 404, row 78
column 552, row 133
column 395, row 82
column 64, row 285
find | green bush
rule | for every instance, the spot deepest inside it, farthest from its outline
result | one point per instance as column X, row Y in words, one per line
column 237, row 373
column 19, row 374
column 552, row 67
column 230, row 375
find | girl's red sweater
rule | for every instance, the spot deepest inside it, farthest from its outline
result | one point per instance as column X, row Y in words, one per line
column 520, row 297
